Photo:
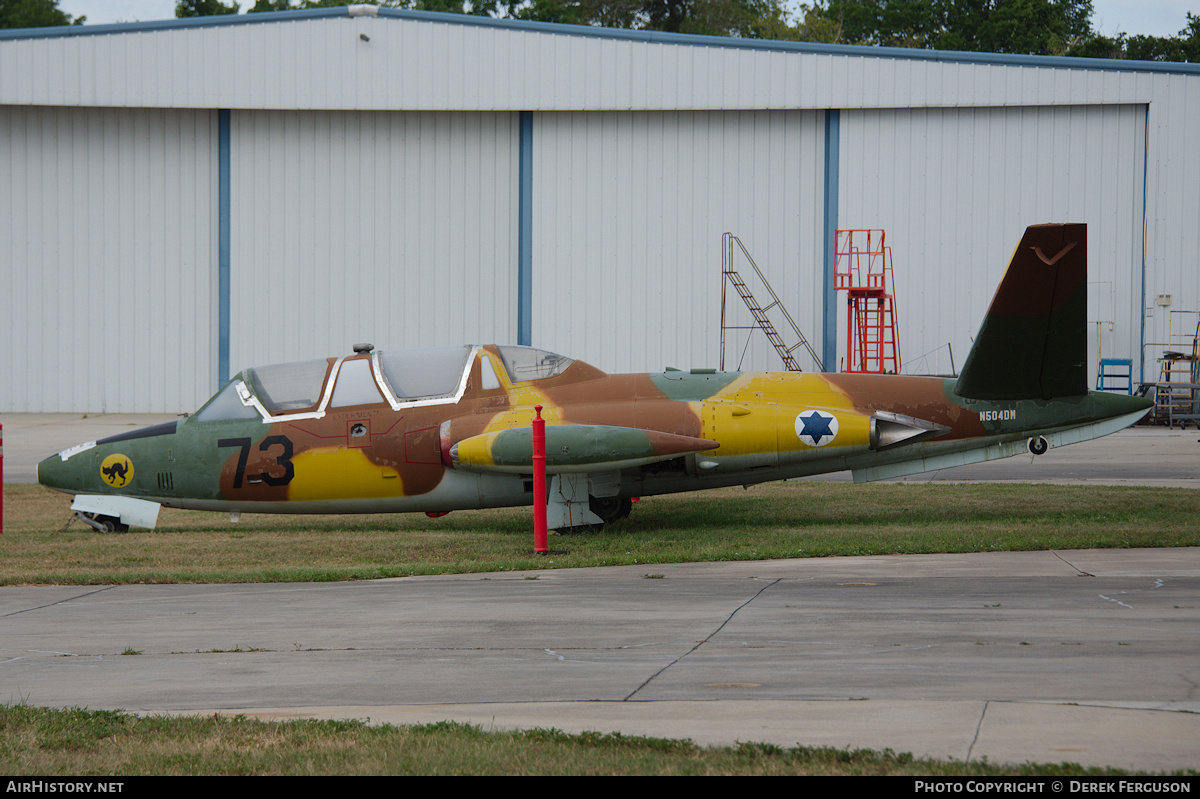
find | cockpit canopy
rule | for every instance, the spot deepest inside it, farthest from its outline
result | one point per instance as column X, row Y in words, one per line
column 424, row 374
column 397, row 377
column 288, row 386
column 527, row 363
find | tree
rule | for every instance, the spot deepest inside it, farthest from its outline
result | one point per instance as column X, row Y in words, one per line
column 605, row 13
column 712, row 17
column 203, row 8
column 745, row 18
column 812, row 24
column 34, row 14
column 1031, row 27
column 1097, row 46
column 1184, row 47
column 890, row 23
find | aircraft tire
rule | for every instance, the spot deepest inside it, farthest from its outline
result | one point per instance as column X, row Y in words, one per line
column 1038, row 445
column 111, row 524
column 610, row 509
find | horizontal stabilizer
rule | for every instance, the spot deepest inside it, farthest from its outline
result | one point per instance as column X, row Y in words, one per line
column 572, row 448
column 1033, row 341
column 1002, row 449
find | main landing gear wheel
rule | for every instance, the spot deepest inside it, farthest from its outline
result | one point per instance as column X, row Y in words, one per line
column 610, row 509
column 102, row 524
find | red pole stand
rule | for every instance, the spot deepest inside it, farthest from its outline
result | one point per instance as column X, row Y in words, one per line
column 539, row 483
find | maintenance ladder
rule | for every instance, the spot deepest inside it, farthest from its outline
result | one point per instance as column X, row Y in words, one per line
column 1177, row 392
column 730, row 276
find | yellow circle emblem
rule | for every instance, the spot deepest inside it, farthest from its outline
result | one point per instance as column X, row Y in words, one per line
column 116, row 470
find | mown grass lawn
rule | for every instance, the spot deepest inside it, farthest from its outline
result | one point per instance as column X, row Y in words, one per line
column 777, row 520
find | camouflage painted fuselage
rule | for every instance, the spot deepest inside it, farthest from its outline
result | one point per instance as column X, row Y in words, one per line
column 652, row 433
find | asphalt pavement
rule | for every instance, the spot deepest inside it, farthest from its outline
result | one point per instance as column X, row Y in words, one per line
column 1087, row 656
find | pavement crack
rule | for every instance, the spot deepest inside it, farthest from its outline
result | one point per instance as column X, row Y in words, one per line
column 60, row 602
column 1078, row 571
column 1158, row 583
column 702, row 641
column 978, row 729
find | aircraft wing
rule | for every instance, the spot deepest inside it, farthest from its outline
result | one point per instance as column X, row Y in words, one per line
column 578, row 448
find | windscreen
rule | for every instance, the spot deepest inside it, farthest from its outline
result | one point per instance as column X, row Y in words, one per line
column 226, row 405
column 289, row 386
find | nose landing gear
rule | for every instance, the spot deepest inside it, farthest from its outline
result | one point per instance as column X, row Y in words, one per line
column 102, row 524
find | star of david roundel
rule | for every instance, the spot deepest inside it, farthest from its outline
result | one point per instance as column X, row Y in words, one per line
column 816, row 428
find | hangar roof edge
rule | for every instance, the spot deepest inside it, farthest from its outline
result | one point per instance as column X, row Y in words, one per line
column 655, row 37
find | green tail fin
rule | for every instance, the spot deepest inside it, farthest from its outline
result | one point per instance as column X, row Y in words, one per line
column 1033, row 341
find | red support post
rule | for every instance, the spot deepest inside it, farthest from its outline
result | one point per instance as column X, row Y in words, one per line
column 540, row 545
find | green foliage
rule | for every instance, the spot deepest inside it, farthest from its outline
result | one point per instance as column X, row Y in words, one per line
column 1099, row 47
column 203, row 8
column 891, row 23
column 70, row 729
column 812, row 24
column 79, row 741
column 1185, row 47
column 1031, row 27
column 34, row 14
column 743, row 18
column 1028, row 27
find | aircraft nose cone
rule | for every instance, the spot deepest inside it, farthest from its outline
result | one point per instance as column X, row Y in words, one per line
column 50, row 472
column 62, row 474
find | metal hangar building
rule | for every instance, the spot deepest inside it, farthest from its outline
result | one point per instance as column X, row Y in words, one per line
column 182, row 199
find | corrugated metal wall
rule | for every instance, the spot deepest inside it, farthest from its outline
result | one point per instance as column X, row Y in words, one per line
column 1172, row 263
column 107, row 259
column 629, row 210
column 955, row 189
column 395, row 228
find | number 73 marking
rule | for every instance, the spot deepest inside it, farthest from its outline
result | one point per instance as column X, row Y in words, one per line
column 283, row 459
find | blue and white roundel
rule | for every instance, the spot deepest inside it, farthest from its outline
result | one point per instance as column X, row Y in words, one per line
column 816, row 428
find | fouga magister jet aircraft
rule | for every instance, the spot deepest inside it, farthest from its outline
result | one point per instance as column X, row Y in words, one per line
column 442, row 429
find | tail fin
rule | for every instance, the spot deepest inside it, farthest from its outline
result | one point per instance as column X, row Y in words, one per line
column 1033, row 341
